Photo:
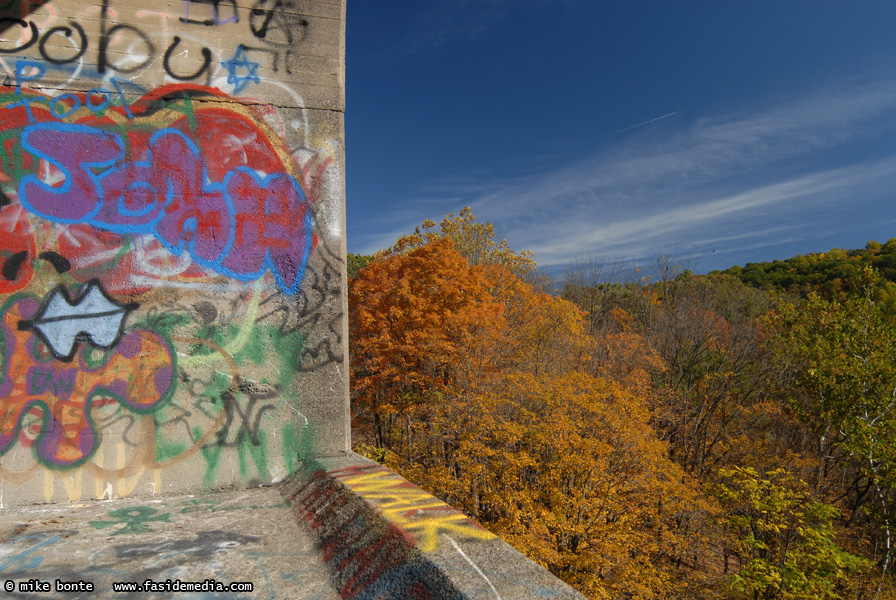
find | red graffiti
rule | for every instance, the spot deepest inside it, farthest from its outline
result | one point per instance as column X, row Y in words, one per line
column 228, row 157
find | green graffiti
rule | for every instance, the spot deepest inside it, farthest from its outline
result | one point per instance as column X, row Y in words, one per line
column 298, row 446
column 167, row 450
column 255, row 350
column 291, row 441
column 259, row 455
column 289, row 358
column 134, row 520
column 166, row 323
column 187, row 109
column 187, row 424
column 211, row 454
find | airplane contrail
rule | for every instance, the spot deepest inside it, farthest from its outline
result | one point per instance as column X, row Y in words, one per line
column 644, row 123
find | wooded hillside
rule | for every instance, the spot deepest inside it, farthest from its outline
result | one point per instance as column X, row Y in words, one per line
column 723, row 436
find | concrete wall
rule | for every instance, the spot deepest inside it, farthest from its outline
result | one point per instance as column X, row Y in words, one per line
column 382, row 538
column 171, row 244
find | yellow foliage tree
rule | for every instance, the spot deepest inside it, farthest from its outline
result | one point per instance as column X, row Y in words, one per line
column 566, row 469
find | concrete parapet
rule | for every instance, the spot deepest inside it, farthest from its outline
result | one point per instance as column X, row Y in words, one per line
column 382, row 537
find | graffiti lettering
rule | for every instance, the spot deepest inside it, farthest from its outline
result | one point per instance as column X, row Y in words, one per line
column 240, row 227
column 244, row 422
column 409, row 507
column 206, row 61
column 106, row 35
column 137, row 54
column 59, row 384
column 24, row 25
column 65, row 104
column 80, row 44
column 275, row 26
column 137, row 374
column 215, row 19
column 157, row 290
column 127, row 48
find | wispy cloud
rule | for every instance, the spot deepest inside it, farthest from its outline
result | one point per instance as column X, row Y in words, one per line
column 735, row 176
column 725, row 182
column 675, row 222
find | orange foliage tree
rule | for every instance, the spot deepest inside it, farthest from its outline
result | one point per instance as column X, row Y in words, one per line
column 417, row 325
column 533, row 416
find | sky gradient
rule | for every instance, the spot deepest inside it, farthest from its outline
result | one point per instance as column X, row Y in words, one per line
column 712, row 132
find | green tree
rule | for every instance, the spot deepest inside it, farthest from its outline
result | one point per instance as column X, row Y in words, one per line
column 785, row 539
column 356, row 262
column 840, row 355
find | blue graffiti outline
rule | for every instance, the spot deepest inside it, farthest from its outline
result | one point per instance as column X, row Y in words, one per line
column 109, row 168
column 26, row 101
column 207, row 186
column 33, row 179
column 268, row 261
column 22, row 556
column 241, row 59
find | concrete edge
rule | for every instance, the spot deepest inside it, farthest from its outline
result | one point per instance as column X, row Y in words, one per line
column 381, row 537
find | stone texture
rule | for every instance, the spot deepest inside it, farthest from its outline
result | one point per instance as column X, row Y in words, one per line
column 182, row 162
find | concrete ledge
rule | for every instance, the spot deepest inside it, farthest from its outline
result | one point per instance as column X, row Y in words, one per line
column 213, row 540
column 382, row 537
column 343, row 528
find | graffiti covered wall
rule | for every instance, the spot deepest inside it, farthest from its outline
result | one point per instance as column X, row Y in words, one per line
column 171, row 244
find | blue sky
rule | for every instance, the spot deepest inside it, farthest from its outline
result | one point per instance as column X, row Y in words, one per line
column 719, row 133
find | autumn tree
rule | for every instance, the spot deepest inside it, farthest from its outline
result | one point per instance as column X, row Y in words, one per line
column 566, row 468
column 785, row 540
column 840, row 355
column 714, row 352
column 709, row 351
column 417, row 323
column 478, row 243
column 585, row 429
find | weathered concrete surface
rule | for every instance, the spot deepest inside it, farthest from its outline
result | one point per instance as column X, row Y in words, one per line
column 341, row 528
column 172, row 317
column 243, row 536
column 172, row 245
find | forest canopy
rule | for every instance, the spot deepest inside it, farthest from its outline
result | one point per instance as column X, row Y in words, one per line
column 729, row 435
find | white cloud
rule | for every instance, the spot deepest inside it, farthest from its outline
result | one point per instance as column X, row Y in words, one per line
column 643, row 234
column 722, row 176
column 745, row 178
